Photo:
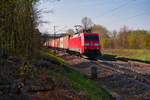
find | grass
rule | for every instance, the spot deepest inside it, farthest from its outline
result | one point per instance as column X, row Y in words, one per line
column 137, row 54
column 90, row 88
column 55, row 57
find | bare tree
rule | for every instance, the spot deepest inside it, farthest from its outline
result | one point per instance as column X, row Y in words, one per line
column 87, row 24
column 70, row 31
column 100, row 29
column 114, row 33
column 123, row 37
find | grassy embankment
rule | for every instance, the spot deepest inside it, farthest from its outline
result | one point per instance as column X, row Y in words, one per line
column 48, row 73
column 90, row 88
column 133, row 54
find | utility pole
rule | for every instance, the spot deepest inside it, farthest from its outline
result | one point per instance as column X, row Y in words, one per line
column 54, row 38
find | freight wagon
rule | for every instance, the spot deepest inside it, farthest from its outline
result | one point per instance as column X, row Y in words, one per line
column 83, row 43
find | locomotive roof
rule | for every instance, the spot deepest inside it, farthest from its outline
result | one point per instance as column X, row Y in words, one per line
column 91, row 33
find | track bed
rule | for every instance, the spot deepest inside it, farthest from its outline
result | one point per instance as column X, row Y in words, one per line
column 129, row 79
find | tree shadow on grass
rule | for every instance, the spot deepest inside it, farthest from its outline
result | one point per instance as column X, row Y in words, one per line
column 129, row 59
column 114, row 58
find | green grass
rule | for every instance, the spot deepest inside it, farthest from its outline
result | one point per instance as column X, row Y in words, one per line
column 55, row 57
column 90, row 88
column 138, row 54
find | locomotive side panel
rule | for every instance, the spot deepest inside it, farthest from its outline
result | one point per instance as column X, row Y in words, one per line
column 75, row 44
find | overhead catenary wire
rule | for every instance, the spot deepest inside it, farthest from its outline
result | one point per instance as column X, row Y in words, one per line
column 137, row 15
column 117, row 8
column 132, row 17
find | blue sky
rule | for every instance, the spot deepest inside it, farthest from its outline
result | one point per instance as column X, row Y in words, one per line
column 112, row 14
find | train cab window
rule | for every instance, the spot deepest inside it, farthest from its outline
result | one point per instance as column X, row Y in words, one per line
column 76, row 35
column 91, row 37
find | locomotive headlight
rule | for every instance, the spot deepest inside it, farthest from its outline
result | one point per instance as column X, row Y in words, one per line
column 96, row 44
column 86, row 44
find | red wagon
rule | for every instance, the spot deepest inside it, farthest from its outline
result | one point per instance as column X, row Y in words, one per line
column 84, row 43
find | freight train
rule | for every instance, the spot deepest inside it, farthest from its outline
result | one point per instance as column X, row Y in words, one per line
column 88, row 44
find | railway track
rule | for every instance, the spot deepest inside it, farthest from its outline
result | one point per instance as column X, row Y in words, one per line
column 131, row 81
column 128, row 71
column 128, row 78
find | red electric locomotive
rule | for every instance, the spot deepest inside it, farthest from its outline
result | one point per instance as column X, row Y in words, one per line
column 83, row 43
